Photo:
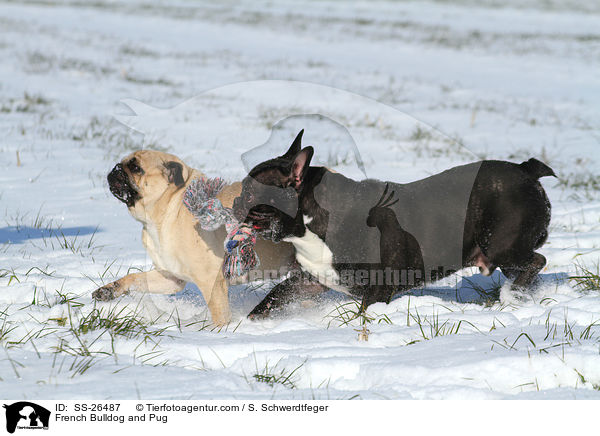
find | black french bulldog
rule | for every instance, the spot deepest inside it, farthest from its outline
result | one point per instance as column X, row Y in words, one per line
column 371, row 239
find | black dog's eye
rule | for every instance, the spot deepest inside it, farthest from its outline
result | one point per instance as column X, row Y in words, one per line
column 249, row 197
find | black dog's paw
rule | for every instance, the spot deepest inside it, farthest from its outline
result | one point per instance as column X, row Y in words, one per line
column 105, row 293
column 514, row 294
column 257, row 316
column 260, row 312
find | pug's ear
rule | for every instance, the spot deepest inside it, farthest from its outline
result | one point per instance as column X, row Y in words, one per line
column 175, row 173
column 300, row 166
column 295, row 147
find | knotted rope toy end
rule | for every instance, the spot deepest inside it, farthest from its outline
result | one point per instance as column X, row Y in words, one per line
column 200, row 199
column 240, row 255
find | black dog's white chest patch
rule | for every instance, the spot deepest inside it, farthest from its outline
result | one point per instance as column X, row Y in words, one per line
column 315, row 257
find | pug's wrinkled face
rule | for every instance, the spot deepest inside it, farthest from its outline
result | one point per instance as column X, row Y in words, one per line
column 144, row 176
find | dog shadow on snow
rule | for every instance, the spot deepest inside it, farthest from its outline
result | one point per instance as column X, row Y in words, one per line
column 21, row 234
column 475, row 289
column 478, row 289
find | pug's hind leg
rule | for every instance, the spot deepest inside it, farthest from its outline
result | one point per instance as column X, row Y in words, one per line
column 153, row 281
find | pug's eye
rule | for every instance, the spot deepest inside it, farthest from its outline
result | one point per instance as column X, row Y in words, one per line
column 133, row 167
column 249, row 197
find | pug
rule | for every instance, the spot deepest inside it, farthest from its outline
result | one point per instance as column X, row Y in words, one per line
column 152, row 185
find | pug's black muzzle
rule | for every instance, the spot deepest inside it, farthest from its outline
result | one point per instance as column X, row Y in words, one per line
column 121, row 188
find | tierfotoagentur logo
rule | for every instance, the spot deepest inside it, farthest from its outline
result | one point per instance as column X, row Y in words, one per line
column 26, row 416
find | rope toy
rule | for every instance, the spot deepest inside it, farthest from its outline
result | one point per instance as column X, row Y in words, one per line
column 200, row 198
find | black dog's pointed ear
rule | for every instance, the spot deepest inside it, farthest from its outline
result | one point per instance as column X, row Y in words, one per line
column 175, row 173
column 300, row 166
column 295, row 147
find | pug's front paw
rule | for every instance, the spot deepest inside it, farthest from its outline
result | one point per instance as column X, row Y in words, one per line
column 105, row 293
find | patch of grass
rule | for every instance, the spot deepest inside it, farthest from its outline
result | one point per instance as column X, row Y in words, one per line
column 129, row 50
column 79, row 341
column 68, row 298
column 586, row 278
column 41, row 63
column 11, row 274
column 75, row 364
column 19, row 221
column 118, row 322
column 558, row 336
column 80, row 365
column 272, row 375
column 42, row 233
column 430, row 142
column 580, row 181
column 14, row 364
column 585, row 184
column 113, row 138
column 344, row 314
column 40, row 297
column 5, row 329
column 420, row 134
column 37, row 298
column 38, row 62
column 30, row 103
column 431, row 327
column 82, row 247
column 44, row 331
column 336, row 158
column 569, row 331
column 111, row 272
column 595, row 386
column 147, row 81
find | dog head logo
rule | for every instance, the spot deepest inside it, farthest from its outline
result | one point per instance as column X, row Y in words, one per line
column 26, row 415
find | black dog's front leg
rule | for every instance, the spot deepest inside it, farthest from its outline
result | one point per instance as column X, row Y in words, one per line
column 377, row 294
column 283, row 293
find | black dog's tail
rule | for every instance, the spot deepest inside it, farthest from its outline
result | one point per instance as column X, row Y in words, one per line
column 536, row 168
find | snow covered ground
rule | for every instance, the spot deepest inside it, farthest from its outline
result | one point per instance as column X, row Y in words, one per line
column 468, row 80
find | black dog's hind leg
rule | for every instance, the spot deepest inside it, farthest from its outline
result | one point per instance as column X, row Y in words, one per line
column 524, row 276
column 298, row 285
column 528, row 275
